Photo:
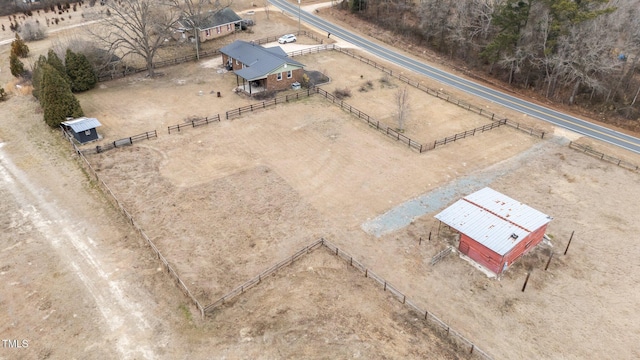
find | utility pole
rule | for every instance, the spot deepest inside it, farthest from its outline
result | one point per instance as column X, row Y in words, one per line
column 197, row 32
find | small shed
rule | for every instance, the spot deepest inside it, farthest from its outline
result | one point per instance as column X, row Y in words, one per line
column 495, row 230
column 83, row 129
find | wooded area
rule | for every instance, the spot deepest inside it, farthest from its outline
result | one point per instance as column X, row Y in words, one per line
column 573, row 51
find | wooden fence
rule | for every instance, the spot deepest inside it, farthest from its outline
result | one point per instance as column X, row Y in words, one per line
column 467, row 133
column 268, row 103
column 195, row 123
column 313, row 50
column 187, row 58
column 437, row 93
column 263, row 275
column 370, row 121
column 429, row 318
column 441, row 255
column 117, row 143
column 112, row 197
column 589, row 151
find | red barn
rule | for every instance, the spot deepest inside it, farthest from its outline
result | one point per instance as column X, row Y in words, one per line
column 495, row 230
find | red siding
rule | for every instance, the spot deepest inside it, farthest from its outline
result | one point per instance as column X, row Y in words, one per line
column 525, row 245
column 492, row 260
column 480, row 253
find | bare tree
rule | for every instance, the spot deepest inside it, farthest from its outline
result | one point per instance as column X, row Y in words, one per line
column 402, row 103
column 267, row 8
column 138, row 27
column 195, row 13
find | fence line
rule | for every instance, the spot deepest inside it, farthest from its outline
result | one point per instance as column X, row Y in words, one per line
column 467, row 133
column 188, row 58
column 115, row 144
column 437, row 93
column 370, row 121
column 195, row 123
column 427, row 317
column 441, row 255
column 602, row 156
column 169, row 269
column 268, row 103
column 258, row 279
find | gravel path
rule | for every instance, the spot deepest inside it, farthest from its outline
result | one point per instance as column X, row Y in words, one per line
column 437, row 199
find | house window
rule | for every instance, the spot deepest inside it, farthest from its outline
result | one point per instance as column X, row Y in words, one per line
column 237, row 62
column 289, row 74
column 279, row 76
column 528, row 244
column 87, row 132
column 218, row 29
column 228, row 27
column 207, row 32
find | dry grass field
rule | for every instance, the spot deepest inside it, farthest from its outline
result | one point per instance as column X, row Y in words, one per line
column 254, row 189
column 227, row 200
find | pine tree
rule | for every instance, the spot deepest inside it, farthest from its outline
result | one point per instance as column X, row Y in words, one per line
column 510, row 18
column 80, row 72
column 19, row 48
column 36, row 78
column 15, row 65
column 57, row 99
column 56, row 63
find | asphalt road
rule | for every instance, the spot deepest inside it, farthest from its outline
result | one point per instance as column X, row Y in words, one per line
column 541, row 112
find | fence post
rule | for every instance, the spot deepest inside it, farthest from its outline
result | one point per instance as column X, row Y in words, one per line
column 526, row 280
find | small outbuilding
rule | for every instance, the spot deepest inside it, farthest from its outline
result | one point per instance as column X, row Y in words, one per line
column 495, row 230
column 83, row 129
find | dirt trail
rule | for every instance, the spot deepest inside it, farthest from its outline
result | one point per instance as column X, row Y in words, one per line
column 70, row 267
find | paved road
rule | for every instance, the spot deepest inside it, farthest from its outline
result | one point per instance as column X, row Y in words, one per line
column 557, row 118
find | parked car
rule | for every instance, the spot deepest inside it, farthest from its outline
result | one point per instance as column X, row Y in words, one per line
column 287, row 39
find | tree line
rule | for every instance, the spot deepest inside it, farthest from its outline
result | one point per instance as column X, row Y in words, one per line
column 573, row 51
column 54, row 81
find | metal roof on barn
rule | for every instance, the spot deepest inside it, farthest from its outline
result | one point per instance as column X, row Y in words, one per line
column 260, row 61
column 493, row 219
column 82, row 124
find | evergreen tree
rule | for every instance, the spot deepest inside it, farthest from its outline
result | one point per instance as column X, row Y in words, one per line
column 19, row 48
column 36, row 78
column 509, row 19
column 57, row 99
column 15, row 65
column 80, row 72
column 56, row 63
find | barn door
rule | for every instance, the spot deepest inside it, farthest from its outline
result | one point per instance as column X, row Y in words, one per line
column 464, row 248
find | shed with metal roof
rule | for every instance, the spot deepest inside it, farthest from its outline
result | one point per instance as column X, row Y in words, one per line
column 495, row 230
column 83, row 129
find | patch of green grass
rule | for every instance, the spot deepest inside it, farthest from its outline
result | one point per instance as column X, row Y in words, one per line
column 186, row 312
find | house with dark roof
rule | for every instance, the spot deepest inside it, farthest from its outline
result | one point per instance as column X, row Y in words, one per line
column 495, row 230
column 83, row 129
column 261, row 69
column 211, row 25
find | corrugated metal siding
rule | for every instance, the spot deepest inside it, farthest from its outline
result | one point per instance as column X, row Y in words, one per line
column 478, row 220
